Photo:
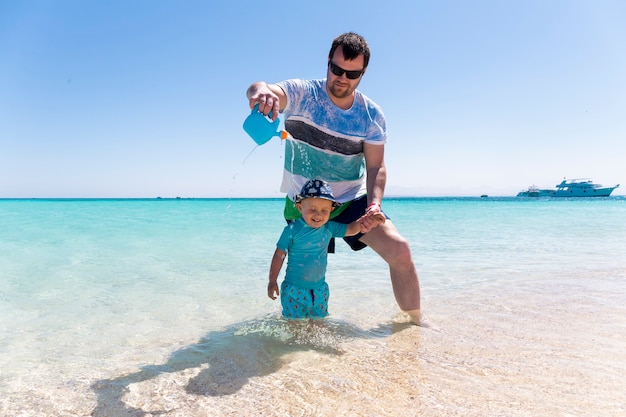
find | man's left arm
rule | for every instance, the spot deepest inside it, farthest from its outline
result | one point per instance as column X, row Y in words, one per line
column 376, row 174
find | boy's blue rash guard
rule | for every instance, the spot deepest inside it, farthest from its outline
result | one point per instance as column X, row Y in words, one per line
column 307, row 249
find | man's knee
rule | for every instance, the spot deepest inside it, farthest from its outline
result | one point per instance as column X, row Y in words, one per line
column 401, row 252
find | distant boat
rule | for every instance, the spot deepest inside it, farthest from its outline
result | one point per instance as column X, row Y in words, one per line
column 582, row 188
column 570, row 188
column 534, row 191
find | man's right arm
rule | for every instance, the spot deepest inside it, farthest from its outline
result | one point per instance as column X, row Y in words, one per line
column 270, row 97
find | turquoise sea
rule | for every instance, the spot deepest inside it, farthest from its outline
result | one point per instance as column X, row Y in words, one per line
column 158, row 307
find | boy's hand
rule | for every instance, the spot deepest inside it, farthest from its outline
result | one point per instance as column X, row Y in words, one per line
column 272, row 290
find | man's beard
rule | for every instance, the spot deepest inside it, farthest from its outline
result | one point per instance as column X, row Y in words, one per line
column 340, row 92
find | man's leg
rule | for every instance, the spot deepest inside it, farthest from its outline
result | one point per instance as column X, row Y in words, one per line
column 395, row 250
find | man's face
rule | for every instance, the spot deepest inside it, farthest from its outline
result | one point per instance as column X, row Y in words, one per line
column 341, row 86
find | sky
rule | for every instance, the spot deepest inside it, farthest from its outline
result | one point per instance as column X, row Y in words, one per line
column 139, row 99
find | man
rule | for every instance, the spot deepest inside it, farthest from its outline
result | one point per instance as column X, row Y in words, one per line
column 338, row 135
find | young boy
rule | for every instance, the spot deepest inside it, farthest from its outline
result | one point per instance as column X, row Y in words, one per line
column 304, row 292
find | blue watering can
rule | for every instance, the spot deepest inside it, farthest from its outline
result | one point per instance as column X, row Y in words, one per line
column 261, row 128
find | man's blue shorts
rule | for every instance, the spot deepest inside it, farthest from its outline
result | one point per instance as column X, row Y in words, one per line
column 300, row 303
column 355, row 209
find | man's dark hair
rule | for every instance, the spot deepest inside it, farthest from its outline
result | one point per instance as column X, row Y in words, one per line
column 353, row 45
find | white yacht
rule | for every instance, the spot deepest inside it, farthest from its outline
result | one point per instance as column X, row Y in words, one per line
column 570, row 188
column 582, row 188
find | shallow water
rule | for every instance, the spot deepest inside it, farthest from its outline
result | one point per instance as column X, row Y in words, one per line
column 158, row 307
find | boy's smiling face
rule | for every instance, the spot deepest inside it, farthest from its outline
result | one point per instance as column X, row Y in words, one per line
column 315, row 211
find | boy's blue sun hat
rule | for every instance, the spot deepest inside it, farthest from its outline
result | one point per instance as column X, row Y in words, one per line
column 316, row 189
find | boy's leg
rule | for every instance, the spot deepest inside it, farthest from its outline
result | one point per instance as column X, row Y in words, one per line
column 296, row 301
column 320, row 297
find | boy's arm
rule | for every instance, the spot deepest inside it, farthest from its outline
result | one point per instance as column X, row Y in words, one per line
column 353, row 228
column 275, row 266
column 358, row 226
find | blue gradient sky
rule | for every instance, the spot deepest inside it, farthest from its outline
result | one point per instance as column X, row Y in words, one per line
column 147, row 98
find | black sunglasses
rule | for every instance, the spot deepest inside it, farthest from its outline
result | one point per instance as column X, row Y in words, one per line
column 338, row 71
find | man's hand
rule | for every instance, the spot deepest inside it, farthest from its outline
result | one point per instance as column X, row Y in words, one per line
column 371, row 219
column 267, row 100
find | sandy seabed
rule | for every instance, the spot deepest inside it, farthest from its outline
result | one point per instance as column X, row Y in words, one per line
column 536, row 354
